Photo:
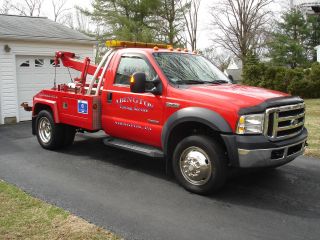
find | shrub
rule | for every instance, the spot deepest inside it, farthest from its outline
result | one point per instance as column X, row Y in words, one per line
column 301, row 82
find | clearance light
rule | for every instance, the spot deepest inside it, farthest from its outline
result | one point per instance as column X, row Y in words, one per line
column 128, row 44
column 132, row 79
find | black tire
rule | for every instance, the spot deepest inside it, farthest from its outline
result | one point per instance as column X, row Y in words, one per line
column 56, row 138
column 214, row 167
column 69, row 134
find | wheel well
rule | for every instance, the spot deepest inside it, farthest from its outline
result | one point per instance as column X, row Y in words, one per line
column 39, row 107
column 186, row 129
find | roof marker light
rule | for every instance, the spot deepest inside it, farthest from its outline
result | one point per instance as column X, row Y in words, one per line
column 128, row 44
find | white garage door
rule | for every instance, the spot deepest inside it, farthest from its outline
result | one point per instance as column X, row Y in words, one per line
column 35, row 73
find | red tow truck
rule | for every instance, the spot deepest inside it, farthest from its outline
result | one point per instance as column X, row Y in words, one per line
column 173, row 104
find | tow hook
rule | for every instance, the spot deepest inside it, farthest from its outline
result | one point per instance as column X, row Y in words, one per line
column 26, row 106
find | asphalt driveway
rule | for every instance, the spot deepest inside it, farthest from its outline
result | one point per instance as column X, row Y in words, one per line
column 131, row 195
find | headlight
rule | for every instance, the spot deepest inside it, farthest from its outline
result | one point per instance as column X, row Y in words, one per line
column 250, row 124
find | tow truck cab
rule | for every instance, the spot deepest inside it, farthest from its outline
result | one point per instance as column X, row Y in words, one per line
column 174, row 104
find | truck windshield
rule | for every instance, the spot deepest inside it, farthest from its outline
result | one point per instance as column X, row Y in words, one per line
column 182, row 68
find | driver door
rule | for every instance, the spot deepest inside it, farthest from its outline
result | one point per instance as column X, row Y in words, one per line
column 133, row 116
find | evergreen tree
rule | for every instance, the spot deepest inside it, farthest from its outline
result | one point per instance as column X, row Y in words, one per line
column 131, row 20
column 252, row 58
column 290, row 45
column 314, row 21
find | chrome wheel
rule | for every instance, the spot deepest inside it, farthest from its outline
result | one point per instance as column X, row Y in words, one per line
column 45, row 130
column 195, row 165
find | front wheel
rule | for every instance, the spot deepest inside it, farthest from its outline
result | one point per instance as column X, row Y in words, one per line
column 200, row 164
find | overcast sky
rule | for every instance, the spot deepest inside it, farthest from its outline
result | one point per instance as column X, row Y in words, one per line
column 204, row 35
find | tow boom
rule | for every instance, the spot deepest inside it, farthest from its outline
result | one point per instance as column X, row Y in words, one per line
column 69, row 59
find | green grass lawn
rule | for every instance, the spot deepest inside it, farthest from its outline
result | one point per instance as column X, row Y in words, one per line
column 24, row 217
column 313, row 126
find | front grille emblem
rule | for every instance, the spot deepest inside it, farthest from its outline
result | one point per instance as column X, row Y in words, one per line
column 294, row 122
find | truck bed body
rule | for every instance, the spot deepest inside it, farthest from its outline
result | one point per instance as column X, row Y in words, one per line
column 78, row 110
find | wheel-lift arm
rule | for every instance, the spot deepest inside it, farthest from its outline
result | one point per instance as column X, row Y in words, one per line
column 68, row 59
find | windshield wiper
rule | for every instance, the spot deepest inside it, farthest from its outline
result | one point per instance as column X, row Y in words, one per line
column 191, row 81
column 220, row 81
column 194, row 81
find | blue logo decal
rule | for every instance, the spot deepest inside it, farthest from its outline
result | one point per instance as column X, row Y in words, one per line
column 82, row 107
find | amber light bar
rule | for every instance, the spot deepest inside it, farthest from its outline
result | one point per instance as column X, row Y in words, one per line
column 128, row 44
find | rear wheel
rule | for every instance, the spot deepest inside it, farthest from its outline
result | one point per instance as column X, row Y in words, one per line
column 49, row 134
column 199, row 164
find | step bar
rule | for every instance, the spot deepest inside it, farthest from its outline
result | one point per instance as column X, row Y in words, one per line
column 134, row 147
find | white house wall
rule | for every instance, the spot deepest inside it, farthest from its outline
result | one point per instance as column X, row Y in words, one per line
column 8, row 84
column 0, row 94
column 8, row 81
column 318, row 53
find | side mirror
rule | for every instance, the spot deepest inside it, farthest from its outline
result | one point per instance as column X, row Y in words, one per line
column 231, row 78
column 138, row 82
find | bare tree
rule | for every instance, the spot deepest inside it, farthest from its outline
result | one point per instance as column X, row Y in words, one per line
column 191, row 22
column 170, row 21
column 82, row 22
column 242, row 25
column 68, row 20
column 58, row 8
column 78, row 20
column 28, row 7
column 219, row 59
column 5, row 7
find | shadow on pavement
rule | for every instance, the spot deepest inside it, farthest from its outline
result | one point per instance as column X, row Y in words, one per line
column 287, row 189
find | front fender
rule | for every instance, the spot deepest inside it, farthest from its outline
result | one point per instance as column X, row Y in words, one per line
column 194, row 114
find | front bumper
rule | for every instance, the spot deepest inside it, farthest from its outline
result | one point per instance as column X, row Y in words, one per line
column 270, row 156
column 258, row 151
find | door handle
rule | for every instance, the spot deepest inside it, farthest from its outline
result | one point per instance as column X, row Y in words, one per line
column 109, row 97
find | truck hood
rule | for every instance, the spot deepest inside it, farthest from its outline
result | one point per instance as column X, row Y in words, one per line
column 239, row 96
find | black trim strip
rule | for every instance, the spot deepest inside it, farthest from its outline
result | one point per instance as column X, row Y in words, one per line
column 272, row 102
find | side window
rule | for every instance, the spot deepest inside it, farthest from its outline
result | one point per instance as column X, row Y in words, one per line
column 130, row 65
column 53, row 64
column 38, row 62
column 25, row 64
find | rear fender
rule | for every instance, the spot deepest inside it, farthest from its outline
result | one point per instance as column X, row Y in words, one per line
column 40, row 104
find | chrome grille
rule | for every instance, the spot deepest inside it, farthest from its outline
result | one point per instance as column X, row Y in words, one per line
column 285, row 121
